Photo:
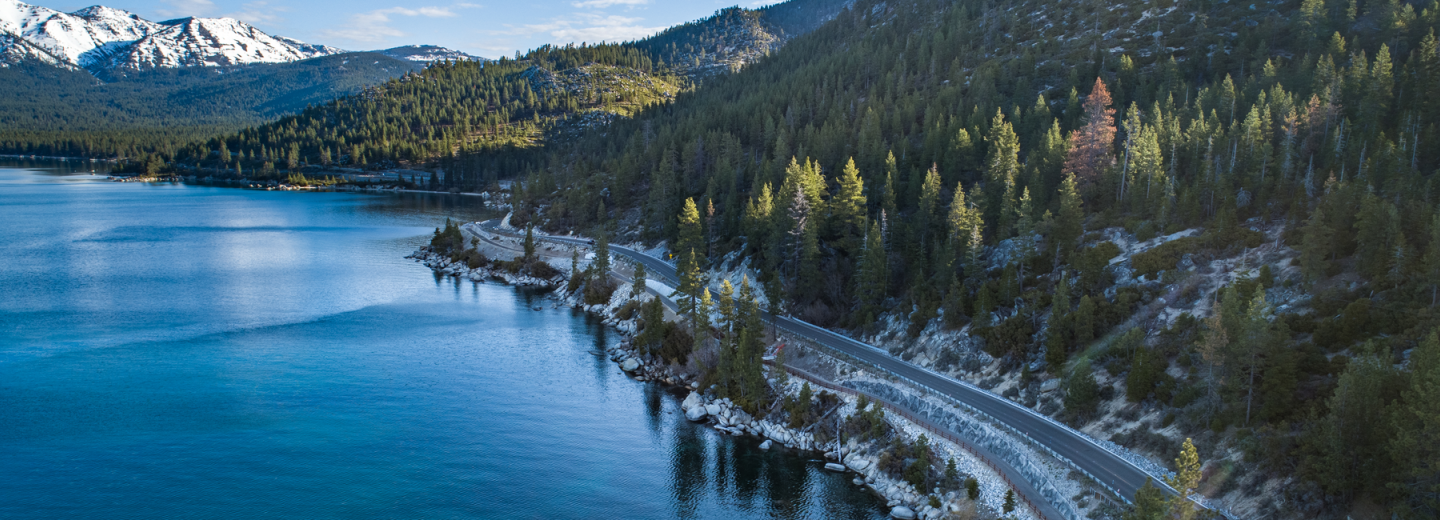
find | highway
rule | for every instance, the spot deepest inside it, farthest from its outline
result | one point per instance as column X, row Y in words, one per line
column 1114, row 471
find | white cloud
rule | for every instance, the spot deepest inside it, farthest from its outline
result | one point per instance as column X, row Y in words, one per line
column 586, row 27
column 601, row 4
column 179, row 8
column 373, row 26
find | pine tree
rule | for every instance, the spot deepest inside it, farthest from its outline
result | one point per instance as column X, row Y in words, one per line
column 751, row 348
column 529, row 247
column 927, row 207
column 1057, row 342
column 962, row 218
column 848, row 210
column 984, row 305
column 1149, row 504
column 1257, row 336
column 1070, row 222
column 601, row 266
column 1024, row 230
column 1009, row 505
column 1185, row 481
column 701, row 322
column 1315, row 246
column 1082, row 393
column 870, row 278
column 729, row 341
column 691, row 238
column 1416, row 443
column 955, row 303
column 887, row 195
column 1432, row 260
column 1084, row 321
column 804, row 245
column 576, row 276
column 1214, row 343
column 1090, row 145
column 1001, row 168
column 638, row 287
column 1377, row 229
column 691, row 283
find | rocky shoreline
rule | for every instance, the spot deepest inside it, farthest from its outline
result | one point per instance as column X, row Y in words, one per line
column 858, row 458
column 444, row 266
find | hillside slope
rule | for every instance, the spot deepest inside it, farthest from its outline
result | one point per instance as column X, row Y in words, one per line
column 57, row 111
column 480, row 121
column 1156, row 221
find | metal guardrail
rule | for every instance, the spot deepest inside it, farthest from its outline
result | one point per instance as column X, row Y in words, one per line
column 1110, row 448
column 934, row 428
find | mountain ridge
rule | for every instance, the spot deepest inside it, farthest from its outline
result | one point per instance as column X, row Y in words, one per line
column 103, row 40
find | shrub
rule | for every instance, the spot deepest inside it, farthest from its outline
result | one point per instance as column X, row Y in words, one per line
column 972, row 488
column 1082, row 394
column 627, row 311
column 868, row 422
column 1147, row 374
column 1164, row 256
column 598, row 292
column 677, row 344
column 540, row 269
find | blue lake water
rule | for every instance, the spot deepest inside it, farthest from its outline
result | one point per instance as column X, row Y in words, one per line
column 199, row 352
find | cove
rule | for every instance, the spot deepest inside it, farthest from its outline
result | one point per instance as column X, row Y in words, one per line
column 191, row 351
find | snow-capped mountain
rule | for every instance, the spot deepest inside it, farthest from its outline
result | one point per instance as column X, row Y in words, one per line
column 212, row 42
column 14, row 49
column 427, row 54
column 99, row 38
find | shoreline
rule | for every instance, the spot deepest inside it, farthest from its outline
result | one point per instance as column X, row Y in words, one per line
column 858, row 460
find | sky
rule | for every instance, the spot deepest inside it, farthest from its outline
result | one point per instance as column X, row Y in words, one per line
column 486, row 28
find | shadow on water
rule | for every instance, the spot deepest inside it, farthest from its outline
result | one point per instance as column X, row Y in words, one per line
column 289, row 360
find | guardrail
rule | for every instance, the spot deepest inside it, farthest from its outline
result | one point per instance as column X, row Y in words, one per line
column 934, row 428
column 990, row 419
column 1139, row 463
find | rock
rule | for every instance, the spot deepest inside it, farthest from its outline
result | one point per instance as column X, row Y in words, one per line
column 630, row 365
column 712, row 409
column 858, row 465
column 834, row 467
column 1050, row 386
column 858, row 481
column 765, row 445
column 691, row 401
column 695, row 414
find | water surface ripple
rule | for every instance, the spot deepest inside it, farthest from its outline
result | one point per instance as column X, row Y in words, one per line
column 197, row 352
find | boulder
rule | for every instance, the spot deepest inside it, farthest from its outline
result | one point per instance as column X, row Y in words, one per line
column 834, row 467
column 712, row 409
column 858, row 464
column 1050, row 386
column 765, row 445
column 695, row 414
column 630, row 365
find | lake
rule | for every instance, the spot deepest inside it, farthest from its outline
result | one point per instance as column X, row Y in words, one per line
column 189, row 351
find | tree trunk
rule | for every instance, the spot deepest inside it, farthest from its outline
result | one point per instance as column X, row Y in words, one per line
column 1250, row 392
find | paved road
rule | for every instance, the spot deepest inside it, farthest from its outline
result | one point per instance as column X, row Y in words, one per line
column 1114, row 471
column 655, row 268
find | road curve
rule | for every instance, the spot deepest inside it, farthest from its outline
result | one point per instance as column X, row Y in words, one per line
column 1114, row 471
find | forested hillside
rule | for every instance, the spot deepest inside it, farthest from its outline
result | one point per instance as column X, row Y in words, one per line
column 50, row 110
column 480, row 121
column 1218, row 215
column 482, row 118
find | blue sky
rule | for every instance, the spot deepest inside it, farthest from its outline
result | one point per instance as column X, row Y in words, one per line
column 488, row 28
